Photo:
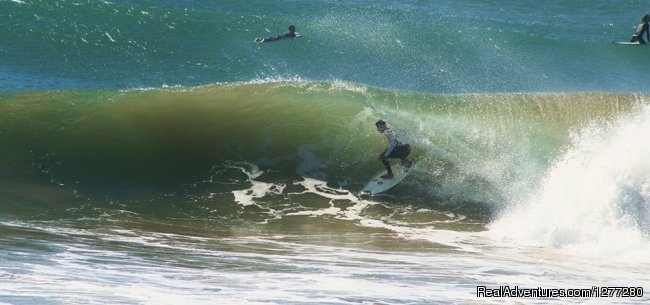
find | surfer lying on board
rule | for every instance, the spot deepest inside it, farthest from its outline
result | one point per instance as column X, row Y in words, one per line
column 290, row 34
column 641, row 29
column 396, row 148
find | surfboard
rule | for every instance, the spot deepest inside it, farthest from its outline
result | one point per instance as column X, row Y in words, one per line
column 626, row 43
column 378, row 184
column 261, row 39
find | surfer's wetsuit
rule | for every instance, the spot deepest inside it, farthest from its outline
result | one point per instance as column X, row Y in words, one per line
column 396, row 150
column 289, row 34
column 277, row 37
column 640, row 30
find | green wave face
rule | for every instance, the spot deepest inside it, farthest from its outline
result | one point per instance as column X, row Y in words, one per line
column 485, row 148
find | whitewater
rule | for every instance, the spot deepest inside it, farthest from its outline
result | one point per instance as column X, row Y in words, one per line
column 152, row 153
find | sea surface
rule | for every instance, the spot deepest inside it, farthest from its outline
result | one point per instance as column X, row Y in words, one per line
column 152, row 153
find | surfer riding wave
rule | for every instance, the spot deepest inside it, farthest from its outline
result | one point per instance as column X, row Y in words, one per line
column 397, row 149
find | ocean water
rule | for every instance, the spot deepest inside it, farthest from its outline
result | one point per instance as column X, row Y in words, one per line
column 152, row 153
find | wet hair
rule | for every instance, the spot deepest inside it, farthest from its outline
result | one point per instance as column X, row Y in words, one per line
column 292, row 28
column 645, row 18
column 380, row 123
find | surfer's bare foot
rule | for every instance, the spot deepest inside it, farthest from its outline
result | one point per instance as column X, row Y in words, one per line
column 387, row 176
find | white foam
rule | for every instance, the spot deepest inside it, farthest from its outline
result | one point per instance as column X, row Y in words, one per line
column 595, row 201
column 458, row 240
column 109, row 36
column 258, row 189
column 124, row 266
column 320, row 188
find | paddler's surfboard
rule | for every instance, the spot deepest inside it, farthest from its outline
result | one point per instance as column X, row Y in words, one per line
column 626, row 43
column 378, row 184
column 261, row 39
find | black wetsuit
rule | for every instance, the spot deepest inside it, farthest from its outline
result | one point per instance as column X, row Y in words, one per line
column 277, row 37
column 640, row 30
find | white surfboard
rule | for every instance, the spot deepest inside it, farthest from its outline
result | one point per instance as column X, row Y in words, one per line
column 261, row 39
column 626, row 43
column 379, row 184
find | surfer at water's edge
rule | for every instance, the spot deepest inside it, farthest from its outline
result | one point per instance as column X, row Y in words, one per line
column 397, row 149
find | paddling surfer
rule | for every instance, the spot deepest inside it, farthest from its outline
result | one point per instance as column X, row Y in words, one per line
column 291, row 33
column 397, row 149
column 641, row 29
